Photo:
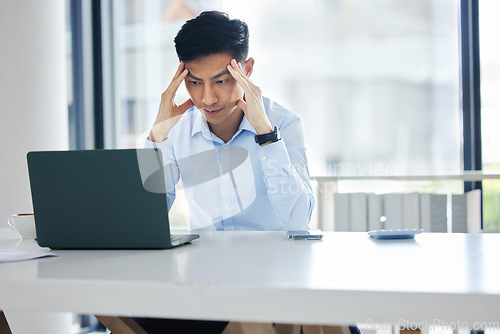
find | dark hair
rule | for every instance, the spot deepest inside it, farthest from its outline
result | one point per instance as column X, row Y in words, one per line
column 209, row 33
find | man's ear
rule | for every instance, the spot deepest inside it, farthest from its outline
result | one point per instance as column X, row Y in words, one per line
column 248, row 67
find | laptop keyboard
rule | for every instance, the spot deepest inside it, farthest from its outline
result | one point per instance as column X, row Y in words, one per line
column 175, row 238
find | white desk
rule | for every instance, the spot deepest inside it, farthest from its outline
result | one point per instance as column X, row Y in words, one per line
column 263, row 277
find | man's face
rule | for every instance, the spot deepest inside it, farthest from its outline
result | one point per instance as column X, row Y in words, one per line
column 213, row 89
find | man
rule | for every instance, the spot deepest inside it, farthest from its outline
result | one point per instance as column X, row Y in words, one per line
column 241, row 156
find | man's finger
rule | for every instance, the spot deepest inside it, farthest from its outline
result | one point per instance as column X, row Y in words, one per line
column 186, row 105
column 174, row 85
column 233, row 72
column 242, row 105
column 177, row 82
column 180, row 69
column 242, row 81
column 238, row 69
column 237, row 66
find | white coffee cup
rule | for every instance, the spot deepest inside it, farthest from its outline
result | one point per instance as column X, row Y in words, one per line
column 24, row 224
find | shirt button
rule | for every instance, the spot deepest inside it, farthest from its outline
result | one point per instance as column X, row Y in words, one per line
column 224, row 178
column 226, row 207
column 264, row 158
column 229, row 229
column 225, row 148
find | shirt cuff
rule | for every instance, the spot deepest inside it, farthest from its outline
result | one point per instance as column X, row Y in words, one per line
column 275, row 160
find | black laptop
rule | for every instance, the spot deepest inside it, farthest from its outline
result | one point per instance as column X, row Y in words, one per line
column 101, row 199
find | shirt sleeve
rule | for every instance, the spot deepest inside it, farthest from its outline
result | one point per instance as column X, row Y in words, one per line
column 287, row 177
column 170, row 167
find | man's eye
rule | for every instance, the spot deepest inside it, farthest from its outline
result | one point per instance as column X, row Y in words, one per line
column 194, row 82
column 221, row 82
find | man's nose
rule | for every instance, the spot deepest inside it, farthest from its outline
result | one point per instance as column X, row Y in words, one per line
column 209, row 96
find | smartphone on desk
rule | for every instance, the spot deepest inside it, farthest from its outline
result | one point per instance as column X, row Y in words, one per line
column 305, row 235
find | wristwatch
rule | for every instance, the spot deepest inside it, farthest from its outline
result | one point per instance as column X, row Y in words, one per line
column 268, row 137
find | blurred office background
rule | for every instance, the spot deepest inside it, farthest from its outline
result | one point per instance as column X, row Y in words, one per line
column 377, row 83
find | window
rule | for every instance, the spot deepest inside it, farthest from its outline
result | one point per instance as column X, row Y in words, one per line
column 381, row 76
column 490, row 109
column 375, row 82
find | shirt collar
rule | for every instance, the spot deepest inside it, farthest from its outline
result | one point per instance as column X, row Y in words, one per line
column 200, row 125
column 245, row 125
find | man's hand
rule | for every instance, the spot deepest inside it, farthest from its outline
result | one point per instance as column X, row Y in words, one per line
column 169, row 113
column 253, row 106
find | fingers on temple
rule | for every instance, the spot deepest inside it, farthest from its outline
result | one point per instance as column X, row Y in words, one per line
column 238, row 74
column 180, row 69
column 180, row 75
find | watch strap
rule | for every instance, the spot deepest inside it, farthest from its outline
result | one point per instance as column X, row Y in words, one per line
column 268, row 137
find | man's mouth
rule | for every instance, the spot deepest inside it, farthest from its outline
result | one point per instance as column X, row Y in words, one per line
column 212, row 112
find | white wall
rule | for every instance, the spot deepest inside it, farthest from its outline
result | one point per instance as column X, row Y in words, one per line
column 33, row 104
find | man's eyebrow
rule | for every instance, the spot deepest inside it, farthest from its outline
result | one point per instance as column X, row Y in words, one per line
column 220, row 74
column 192, row 76
column 214, row 77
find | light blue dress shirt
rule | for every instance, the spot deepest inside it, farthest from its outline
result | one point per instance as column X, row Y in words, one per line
column 240, row 185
